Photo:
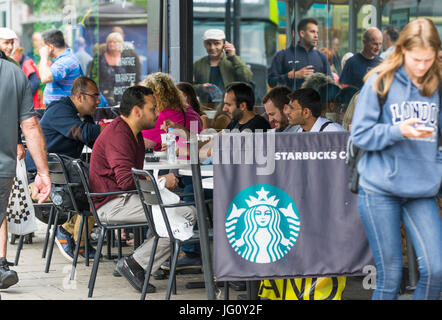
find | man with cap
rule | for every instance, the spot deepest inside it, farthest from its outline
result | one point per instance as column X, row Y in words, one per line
column 7, row 38
column 16, row 108
column 219, row 68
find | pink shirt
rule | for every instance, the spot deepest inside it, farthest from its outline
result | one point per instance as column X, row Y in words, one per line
column 175, row 116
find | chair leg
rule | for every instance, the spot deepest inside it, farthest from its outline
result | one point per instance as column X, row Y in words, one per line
column 48, row 229
column 109, row 243
column 120, row 252
column 149, row 269
column 172, row 270
column 86, row 240
column 96, row 263
column 19, row 247
column 77, row 248
column 51, row 245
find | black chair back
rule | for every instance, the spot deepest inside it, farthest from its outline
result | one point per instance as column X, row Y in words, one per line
column 150, row 195
column 84, row 176
column 59, row 177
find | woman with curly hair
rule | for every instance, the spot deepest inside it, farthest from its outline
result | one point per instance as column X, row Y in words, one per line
column 171, row 106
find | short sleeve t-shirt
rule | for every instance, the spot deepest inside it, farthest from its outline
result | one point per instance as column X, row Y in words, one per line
column 257, row 122
column 65, row 69
column 16, row 105
column 356, row 68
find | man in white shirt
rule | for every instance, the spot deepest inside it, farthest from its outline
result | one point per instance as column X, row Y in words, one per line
column 304, row 109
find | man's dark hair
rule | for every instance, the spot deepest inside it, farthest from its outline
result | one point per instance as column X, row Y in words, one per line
column 392, row 32
column 302, row 25
column 54, row 37
column 279, row 96
column 308, row 98
column 133, row 96
column 243, row 93
column 80, row 85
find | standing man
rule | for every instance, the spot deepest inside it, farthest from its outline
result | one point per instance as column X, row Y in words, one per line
column 390, row 35
column 219, row 68
column 60, row 75
column 16, row 107
column 274, row 103
column 239, row 101
column 292, row 65
column 304, row 109
column 358, row 65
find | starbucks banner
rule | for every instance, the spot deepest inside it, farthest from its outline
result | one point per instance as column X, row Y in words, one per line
column 282, row 208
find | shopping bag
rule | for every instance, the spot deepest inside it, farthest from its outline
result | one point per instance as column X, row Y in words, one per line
column 20, row 214
column 182, row 228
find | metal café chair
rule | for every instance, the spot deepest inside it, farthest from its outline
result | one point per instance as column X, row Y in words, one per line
column 59, row 178
column 149, row 194
column 104, row 227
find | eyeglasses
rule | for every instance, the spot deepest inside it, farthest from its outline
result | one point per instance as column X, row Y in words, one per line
column 95, row 95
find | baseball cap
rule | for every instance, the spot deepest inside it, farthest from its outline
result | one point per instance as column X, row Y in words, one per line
column 6, row 33
column 214, row 34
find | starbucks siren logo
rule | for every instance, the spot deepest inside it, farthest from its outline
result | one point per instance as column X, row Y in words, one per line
column 262, row 229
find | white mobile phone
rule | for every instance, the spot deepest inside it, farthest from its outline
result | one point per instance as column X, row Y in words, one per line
column 423, row 128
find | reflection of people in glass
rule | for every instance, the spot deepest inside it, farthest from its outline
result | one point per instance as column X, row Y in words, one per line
column 219, row 68
column 116, row 70
column 262, row 236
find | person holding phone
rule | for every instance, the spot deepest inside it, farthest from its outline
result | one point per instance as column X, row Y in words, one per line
column 291, row 66
column 221, row 67
column 401, row 172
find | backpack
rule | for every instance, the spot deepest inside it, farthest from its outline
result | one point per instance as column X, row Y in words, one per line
column 354, row 153
column 60, row 195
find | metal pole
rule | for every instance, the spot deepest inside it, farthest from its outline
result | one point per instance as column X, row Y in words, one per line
column 352, row 26
column 202, row 215
column 412, row 264
column 288, row 25
column 228, row 18
column 237, row 26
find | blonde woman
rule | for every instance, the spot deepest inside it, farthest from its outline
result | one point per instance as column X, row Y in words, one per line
column 171, row 106
column 400, row 174
column 117, row 69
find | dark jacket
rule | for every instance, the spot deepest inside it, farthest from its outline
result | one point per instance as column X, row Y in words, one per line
column 232, row 69
column 65, row 133
column 295, row 57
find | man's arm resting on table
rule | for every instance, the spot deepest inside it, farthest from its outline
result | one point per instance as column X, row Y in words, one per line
column 35, row 142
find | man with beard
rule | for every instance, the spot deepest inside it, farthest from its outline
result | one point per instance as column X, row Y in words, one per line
column 239, row 101
column 357, row 66
column 274, row 103
column 292, row 65
column 117, row 150
column 219, row 68
column 304, row 110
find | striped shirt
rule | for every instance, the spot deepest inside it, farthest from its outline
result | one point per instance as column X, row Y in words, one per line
column 65, row 69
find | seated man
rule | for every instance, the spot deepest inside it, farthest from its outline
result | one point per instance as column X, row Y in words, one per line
column 239, row 101
column 116, row 151
column 304, row 109
column 274, row 103
column 67, row 125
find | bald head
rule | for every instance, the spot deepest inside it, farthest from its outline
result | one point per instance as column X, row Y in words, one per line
column 372, row 41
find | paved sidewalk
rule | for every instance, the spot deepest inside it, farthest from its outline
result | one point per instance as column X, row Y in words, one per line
column 35, row 284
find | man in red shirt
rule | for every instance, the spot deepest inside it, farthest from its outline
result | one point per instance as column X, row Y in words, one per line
column 118, row 149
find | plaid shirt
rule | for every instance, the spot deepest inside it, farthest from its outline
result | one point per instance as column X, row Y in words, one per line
column 65, row 69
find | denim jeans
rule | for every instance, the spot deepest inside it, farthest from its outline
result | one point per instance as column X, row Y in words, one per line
column 381, row 216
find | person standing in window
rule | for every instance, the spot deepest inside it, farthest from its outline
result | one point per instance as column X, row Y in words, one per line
column 401, row 172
